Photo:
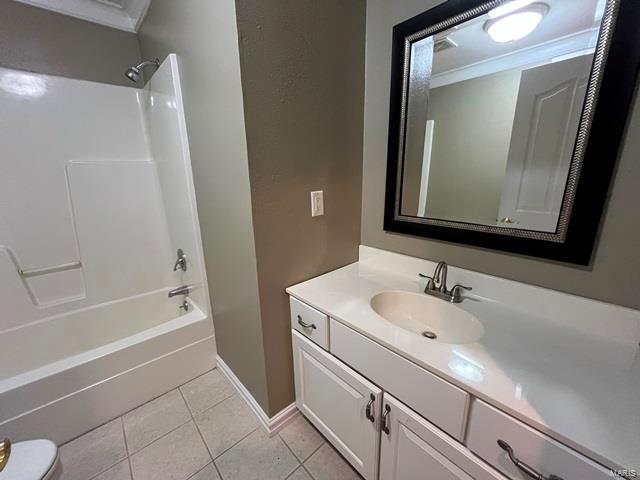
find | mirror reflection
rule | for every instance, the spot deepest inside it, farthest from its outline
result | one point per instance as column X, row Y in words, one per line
column 493, row 112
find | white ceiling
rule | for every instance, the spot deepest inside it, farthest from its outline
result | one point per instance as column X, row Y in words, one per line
column 121, row 14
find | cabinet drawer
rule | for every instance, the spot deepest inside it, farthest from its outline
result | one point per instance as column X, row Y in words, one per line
column 411, row 446
column 343, row 405
column 440, row 402
column 548, row 457
column 310, row 322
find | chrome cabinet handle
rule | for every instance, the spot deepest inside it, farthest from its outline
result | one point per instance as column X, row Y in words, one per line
column 523, row 467
column 385, row 419
column 369, row 410
column 306, row 325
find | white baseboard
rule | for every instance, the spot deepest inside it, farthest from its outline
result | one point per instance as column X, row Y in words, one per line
column 271, row 425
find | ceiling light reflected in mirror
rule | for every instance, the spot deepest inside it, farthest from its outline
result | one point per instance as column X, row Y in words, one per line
column 509, row 27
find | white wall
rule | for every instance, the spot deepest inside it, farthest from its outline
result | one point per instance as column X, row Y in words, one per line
column 77, row 184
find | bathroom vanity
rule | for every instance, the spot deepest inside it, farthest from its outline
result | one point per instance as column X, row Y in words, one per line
column 513, row 382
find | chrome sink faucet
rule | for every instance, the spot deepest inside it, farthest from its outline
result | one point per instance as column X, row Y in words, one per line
column 437, row 285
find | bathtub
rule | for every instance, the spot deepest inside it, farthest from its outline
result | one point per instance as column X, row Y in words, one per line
column 66, row 374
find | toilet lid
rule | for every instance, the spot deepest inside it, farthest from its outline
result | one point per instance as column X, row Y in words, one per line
column 30, row 460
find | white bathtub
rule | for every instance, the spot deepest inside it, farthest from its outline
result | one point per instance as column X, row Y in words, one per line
column 64, row 375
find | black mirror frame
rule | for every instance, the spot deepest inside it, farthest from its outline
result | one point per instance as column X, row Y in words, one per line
column 612, row 106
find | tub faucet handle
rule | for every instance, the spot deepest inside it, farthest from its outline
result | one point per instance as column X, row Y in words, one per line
column 181, row 262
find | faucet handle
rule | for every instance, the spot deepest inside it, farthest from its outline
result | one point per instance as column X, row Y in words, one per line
column 181, row 262
column 455, row 292
column 431, row 284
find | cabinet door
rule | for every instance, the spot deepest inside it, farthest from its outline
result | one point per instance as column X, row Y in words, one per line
column 413, row 449
column 340, row 403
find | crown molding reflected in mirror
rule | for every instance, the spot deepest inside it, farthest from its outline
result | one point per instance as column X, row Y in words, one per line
column 505, row 135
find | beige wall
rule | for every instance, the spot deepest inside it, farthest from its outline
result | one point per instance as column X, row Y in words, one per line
column 204, row 35
column 42, row 41
column 303, row 83
column 614, row 274
column 466, row 177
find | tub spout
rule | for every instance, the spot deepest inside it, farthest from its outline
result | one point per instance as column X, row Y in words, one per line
column 184, row 290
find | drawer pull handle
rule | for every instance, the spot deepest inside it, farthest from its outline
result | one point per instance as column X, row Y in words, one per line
column 523, row 467
column 369, row 410
column 385, row 419
column 305, row 325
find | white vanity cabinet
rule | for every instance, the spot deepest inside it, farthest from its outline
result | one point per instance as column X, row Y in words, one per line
column 342, row 404
column 414, row 449
column 394, row 420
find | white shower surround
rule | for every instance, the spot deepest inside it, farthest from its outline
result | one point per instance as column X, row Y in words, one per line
column 101, row 175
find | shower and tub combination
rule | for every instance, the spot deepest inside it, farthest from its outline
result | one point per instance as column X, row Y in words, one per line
column 102, row 282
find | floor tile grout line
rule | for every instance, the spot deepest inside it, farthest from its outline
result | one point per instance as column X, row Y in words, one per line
column 226, row 450
column 206, row 445
column 93, row 429
column 289, row 448
column 107, row 469
column 161, row 437
column 129, row 454
column 196, row 473
column 304, row 467
column 193, row 419
column 126, row 446
column 121, row 459
column 199, row 376
column 209, row 407
column 217, row 470
column 324, row 442
column 186, row 403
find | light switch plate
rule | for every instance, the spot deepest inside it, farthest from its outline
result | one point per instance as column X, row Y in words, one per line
column 317, row 203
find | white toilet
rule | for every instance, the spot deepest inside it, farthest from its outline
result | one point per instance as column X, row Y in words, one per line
column 32, row 460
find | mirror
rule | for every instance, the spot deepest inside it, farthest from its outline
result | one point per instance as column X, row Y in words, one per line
column 492, row 109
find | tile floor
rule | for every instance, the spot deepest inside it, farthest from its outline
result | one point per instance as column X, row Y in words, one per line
column 200, row 431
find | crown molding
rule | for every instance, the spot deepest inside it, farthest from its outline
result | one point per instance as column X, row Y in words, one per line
column 124, row 15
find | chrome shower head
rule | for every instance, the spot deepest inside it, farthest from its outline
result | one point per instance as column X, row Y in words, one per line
column 135, row 73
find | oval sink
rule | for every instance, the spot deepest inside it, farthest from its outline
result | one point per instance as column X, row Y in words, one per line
column 429, row 317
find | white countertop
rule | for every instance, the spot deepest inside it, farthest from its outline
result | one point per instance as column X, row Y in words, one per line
column 566, row 365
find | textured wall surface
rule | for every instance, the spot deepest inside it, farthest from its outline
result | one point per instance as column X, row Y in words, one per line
column 303, row 81
column 614, row 273
column 42, row 41
column 204, row 35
